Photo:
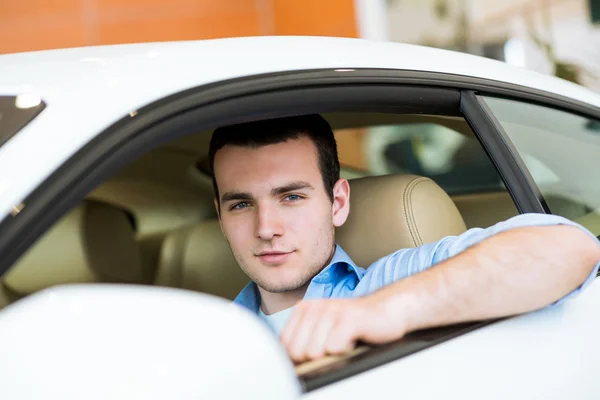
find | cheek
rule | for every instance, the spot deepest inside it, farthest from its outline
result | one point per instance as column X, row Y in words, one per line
column 310, row 222
column 236, row 230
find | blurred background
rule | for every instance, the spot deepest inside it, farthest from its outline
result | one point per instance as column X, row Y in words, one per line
column 559, row 37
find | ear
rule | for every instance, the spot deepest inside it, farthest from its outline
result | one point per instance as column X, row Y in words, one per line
column 341, row 202
column 217, row 207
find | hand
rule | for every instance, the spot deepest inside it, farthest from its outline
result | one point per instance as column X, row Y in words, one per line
column 318, row 328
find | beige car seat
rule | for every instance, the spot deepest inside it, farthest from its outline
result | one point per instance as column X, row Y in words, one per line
column 94, row 242
column 387, row 213
column 393, row 212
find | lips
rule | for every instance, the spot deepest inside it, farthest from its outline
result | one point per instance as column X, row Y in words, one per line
column 274, row 257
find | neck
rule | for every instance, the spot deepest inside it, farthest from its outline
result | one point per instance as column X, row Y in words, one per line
column 275, row 302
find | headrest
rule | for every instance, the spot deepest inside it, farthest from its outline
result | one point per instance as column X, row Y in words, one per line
column 94, row 242
column 392, row 212
column 199, row 258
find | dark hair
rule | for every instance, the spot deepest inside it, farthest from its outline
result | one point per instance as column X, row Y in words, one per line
column 272, row 131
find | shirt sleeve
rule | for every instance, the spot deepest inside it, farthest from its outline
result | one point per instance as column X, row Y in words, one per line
column 407, row 262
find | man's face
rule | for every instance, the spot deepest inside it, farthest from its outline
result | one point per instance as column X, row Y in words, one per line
column 275, row 213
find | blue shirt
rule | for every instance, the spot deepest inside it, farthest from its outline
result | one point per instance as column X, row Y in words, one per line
column 342, row 278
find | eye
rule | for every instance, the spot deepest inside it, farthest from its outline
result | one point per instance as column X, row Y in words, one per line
column 239, row 206
column 293, row 197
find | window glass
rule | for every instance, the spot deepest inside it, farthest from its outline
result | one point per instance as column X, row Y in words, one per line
column 561, row 151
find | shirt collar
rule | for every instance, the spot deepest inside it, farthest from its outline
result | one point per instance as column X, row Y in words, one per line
column 340, row 263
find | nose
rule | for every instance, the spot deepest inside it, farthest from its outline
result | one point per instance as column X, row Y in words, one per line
column 268, row 223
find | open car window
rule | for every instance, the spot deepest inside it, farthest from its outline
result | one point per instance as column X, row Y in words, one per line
column 159, row 207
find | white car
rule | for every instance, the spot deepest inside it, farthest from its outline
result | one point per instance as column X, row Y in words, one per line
column 116, row 281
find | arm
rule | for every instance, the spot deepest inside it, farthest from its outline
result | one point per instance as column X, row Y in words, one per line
column 494, row 278
column 511, row 272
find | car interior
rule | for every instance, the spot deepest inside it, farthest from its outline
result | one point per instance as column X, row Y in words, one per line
column 154, row 223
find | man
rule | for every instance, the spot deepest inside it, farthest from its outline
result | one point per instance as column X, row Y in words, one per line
column 279, row 197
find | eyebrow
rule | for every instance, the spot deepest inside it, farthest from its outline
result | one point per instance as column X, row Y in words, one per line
column 231, row 196
column 290, row 187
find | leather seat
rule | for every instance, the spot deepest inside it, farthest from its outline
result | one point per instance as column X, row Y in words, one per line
column 94, row 242
column 392, row 212
column 387, row 213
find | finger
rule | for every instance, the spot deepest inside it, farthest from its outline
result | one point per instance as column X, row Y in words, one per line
column 303, row 331
column 342, row 337
column 290, row 327
column 316, row 345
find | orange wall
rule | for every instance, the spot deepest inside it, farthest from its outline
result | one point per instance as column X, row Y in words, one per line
column 45, row 24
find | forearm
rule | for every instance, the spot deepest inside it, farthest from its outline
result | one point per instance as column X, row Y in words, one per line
column 510, row 273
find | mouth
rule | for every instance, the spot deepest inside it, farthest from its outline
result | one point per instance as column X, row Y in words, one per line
column 274, row 257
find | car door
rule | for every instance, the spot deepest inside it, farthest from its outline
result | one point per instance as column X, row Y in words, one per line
column 453, row 350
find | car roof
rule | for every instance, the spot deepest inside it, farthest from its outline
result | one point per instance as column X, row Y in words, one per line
column 192, row 63
column 87, row 89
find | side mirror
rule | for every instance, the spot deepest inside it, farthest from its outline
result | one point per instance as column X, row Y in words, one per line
column 126, row 342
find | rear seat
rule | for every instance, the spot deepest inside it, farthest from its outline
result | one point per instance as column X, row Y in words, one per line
column 94, row 242
column 198, row 258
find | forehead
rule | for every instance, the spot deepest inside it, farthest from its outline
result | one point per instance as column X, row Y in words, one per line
column 237, row 167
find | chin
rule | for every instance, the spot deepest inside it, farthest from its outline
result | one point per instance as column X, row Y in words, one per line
column 279, row 284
